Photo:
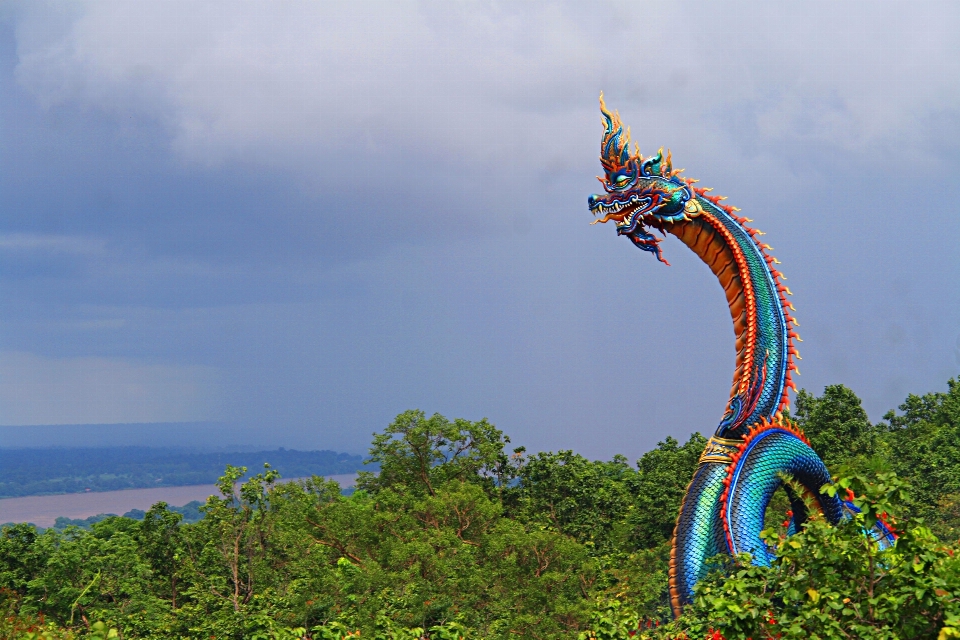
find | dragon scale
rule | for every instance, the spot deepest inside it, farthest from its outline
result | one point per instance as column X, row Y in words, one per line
column 753, row 446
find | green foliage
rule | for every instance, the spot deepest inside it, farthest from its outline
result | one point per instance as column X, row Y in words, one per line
column 418, row 454
column 17, row 624
column 836, row 582
column 835, row 423
column 62, row 523
column 923, row 446
column 659, row 486
column 451, row 556
column 189, row 513
column 608, row 506
column 572, row 495
column 611, row 620
column 456, row 538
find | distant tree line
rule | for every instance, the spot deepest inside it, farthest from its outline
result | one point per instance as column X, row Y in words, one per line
column 189, row 513
column 461, row 536
column 29, row 472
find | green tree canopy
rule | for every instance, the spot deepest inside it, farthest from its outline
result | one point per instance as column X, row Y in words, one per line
column 420, row 454
column 456, row 538
column 835, row 423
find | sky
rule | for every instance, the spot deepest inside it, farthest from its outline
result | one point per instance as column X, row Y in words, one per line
column 282, row 224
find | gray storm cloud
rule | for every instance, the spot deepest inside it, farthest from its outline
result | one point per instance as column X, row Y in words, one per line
column 284, row 83
column 316, row 215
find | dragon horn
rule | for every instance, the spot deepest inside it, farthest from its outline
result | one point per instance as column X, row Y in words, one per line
column 615, row 146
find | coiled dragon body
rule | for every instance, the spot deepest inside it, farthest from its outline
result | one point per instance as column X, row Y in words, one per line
column 754, row 447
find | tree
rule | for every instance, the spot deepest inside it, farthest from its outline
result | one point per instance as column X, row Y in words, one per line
column 658, row 488
column 585, row 500
column 456, row 539
column 420, row 454
column 161, row 544
column 938, row 408
column 835, row 423
column 21, row 558
column 235, row 527
column 923, row 446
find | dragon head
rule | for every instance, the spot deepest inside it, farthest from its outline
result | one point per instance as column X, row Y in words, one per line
column 639, row 193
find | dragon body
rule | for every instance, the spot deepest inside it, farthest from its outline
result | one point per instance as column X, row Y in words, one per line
column 754, row 447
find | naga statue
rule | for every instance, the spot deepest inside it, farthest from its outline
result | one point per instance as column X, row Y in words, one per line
column 755, row 447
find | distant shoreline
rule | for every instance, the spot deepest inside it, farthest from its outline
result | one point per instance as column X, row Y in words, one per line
column 44, row 510
column 55, row 471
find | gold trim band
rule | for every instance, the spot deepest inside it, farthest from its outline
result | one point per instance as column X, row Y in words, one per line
column 719, row 450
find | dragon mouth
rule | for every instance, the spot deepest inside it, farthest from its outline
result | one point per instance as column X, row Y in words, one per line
column 631, row 214
column 622, row 212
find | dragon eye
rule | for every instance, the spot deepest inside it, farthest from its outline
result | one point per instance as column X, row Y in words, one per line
column 622, row 179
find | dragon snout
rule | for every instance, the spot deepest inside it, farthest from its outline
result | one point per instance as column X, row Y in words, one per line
column 593, row 201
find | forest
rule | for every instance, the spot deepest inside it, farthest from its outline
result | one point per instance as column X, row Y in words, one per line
column 462, row 535
column 30, row 472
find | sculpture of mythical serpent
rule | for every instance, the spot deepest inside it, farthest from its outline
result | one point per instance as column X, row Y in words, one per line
column 754, row 447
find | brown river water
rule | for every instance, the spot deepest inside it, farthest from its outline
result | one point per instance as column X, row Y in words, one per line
column 44, row 510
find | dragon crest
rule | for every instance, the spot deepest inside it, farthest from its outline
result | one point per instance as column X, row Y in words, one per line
column 639, row 192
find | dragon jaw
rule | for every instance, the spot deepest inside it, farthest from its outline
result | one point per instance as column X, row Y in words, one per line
column 640, row 193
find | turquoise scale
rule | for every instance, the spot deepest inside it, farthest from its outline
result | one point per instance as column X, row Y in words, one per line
column 772, row 327
column 699, row 533
column 756, row 476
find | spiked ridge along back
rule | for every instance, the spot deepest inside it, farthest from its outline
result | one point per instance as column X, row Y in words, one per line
column 720, row 250
column 782, row 291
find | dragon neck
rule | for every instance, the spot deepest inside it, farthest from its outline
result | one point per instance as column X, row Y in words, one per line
column 759, row 309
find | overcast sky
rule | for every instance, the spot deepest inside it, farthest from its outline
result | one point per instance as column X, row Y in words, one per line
column 299, row 219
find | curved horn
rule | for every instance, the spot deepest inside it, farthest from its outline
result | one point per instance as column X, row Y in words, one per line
column 615, row 145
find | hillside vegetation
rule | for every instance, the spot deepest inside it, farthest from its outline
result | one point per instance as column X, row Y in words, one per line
column 461, row 536
column 31, row 472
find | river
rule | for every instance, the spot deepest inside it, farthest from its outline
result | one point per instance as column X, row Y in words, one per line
column 44, row 510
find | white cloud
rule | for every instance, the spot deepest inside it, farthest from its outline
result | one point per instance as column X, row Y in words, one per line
column 283, row 82
column 38, row 390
